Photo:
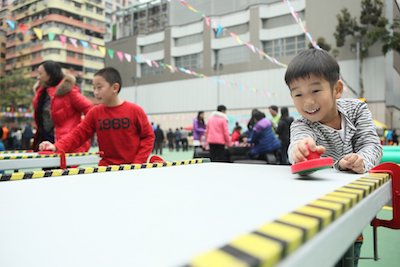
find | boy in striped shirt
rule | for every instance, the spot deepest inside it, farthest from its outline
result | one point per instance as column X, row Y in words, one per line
column 339, row 128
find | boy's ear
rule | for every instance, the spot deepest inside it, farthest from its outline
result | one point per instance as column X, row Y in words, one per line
column 115, row 87
column 338, row 89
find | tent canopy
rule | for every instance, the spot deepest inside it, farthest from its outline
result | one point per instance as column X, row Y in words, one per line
column 380, row 125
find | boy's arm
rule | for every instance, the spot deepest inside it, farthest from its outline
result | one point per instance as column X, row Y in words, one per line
column 146, row 138
column 298, row 131
column 78, row 136
column 366, row 141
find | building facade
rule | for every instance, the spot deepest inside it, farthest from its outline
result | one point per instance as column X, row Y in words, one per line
column 111, row 7
column 235, row 75
column 78, row 21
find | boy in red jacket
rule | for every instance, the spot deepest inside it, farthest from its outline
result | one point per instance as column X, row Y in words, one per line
column 123, row 131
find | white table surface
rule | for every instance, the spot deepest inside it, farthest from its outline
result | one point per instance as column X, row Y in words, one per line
column 159, row 217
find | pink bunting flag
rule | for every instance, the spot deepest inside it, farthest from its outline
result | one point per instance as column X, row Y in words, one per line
column 63, row 39
column 94, row 46
column 208, row 21
column 120, row 55
column 155, row 63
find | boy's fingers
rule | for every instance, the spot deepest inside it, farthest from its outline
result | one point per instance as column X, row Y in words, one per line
column 298, row 156
column 320, row 149
column 310, row 144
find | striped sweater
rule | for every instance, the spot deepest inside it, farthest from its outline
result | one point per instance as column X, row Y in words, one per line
column 360, row 134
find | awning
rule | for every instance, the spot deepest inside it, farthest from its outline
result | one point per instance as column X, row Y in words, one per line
column 380, row 125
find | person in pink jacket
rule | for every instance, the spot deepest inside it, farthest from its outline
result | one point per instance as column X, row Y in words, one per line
column 217, row 134
column 58, row 105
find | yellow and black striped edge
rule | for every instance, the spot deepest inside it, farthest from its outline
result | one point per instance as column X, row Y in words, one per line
column 15, row 151
column 272, row 242
column 37, row 156
column 74, row 171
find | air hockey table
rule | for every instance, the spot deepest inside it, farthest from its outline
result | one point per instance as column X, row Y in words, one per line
column 15, row 160
column 194, row 214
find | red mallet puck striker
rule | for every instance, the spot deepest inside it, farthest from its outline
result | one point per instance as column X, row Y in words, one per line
column 313, row 163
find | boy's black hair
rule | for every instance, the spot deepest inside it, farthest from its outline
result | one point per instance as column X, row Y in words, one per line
column 221, row 108
column 54, row 71
column 313, row 61
column 111, row 75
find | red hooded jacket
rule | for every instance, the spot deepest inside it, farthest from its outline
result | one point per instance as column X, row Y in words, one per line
column 67, row 106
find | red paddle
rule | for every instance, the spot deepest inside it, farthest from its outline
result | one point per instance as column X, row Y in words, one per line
column 313, row 163
column 61, row 154
column 155, row 159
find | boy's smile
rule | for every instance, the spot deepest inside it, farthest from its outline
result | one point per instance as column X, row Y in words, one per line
column 315, row 100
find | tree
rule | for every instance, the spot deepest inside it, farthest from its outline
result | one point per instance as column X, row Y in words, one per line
column 371, row 28
column 16, row 90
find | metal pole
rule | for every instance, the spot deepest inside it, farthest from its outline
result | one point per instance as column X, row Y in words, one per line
column 358, row 65
column 217, row 70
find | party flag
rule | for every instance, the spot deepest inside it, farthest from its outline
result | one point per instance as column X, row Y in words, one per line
column 63, row 39
column 38, row 32
column 128, row 57
column 110, row 53
column 120, row 55
column 73, row 41
column 52, row 36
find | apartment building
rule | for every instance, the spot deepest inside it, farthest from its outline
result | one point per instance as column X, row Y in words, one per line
column 110, row 9
column 235, row 75
column 78, row 21
column 3, row 13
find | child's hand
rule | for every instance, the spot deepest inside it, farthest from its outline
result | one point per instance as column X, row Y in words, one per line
column 303, row 147
column 352, row 162
column 46, row 145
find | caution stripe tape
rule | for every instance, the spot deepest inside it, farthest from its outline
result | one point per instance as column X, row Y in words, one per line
column 15, row 151
column 272, row 242
column 55, row 155
column 75, row 171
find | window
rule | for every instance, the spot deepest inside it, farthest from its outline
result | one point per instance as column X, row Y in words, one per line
column 193, row 61
column 190, row 39
column 89, row 7
column 285, row 46
column 152, row 47
column 146, row 70
column 232, row 55
column 239, row 29
column 279, row 21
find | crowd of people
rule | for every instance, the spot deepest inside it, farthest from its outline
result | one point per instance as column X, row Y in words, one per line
column 175, row 140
